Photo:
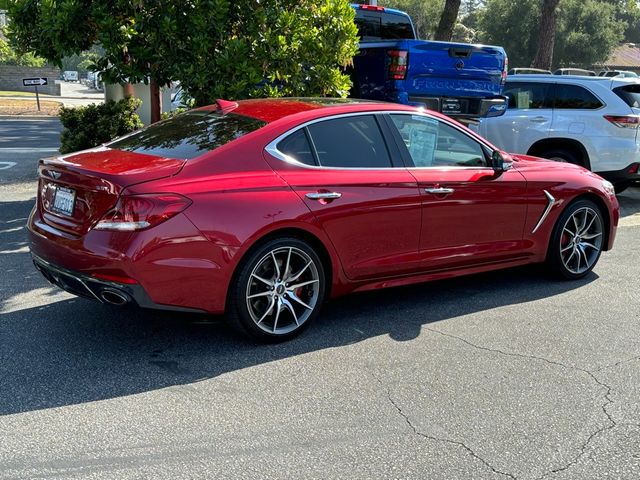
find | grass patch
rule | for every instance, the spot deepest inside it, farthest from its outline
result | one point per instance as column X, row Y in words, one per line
column 28, row 107
column 7, row 93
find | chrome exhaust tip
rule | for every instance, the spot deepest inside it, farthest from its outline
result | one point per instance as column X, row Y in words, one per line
column 114, row 297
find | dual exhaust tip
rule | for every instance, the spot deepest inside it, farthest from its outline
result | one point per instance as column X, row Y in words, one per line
column 114, row 297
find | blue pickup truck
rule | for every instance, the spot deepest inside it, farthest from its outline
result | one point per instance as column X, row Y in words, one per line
column 457, row 79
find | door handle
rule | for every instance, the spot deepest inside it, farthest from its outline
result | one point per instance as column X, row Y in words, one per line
column 439, row 190
column 323, row 195
column 538, row 119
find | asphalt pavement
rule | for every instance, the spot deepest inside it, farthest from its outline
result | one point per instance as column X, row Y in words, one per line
column 503, row 375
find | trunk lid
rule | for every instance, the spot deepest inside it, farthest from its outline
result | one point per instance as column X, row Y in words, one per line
column 76, row 190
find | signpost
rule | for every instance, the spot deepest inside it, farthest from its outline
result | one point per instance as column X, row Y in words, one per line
column 35, row 82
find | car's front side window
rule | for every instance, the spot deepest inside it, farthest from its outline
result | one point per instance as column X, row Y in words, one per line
column 432, row 143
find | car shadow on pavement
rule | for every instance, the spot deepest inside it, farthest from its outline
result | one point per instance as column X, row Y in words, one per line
column 57, row 351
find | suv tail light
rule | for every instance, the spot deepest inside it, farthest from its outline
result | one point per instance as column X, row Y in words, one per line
column 624, row 121
column 137, row 212
column 503, row 77
column 397, row 64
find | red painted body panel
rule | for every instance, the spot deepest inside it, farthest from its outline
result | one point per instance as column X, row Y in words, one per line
column 383, row 231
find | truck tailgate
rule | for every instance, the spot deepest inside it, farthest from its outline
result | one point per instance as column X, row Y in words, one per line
column 451, row 69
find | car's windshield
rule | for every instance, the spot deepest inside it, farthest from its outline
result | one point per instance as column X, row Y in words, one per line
column 188, row 135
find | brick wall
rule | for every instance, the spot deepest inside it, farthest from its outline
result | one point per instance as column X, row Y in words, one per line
column 11, row 79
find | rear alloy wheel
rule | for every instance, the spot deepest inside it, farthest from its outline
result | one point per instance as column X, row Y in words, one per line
column 577, row 240
column 278, row 290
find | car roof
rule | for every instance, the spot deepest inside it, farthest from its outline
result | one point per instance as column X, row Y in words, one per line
column 272, row 109
column 612, row 81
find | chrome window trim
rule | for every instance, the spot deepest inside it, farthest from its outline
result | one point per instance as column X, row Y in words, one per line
column 272, row 148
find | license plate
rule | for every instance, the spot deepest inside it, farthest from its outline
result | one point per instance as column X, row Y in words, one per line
column 63, row 201
column 451, row 106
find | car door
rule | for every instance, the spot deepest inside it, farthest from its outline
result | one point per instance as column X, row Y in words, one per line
column 527, row 119
column 470, row 213
column 358, row 190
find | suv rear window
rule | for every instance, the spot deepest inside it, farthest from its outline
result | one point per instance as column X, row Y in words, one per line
column 630, row 94
column 188, row 135
column 375, row 26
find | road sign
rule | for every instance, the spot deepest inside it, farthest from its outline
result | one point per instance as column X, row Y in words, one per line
column 34, row 82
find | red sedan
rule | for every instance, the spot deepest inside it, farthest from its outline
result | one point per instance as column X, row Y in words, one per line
column 261, row 209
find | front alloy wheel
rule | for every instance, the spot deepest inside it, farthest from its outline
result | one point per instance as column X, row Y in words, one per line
column 577, row 240
column 278, row 290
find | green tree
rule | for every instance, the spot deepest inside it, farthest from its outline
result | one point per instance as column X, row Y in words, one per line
column 546, row 35
column 424, row 14
column 444, row 30
column 215, row 48
column 586, row 30
column 8, row 56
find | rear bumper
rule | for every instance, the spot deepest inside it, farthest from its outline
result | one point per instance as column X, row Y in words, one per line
column 101, row 290
column 171, row 266
column 469, row 107
column 630, row 173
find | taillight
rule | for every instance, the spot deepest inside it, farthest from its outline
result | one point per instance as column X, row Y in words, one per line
column 397, row 64
column 624, row 121
column 503, row 77
column 375, row 8
column 137, row 212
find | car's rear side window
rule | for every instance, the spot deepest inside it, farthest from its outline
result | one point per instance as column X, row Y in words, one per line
column 350, row 142
column 575, row 97
column 297, row 147
column 630, row 94
column 346, row 142
column 375, row 26
column 527, row 95
column 188, row 135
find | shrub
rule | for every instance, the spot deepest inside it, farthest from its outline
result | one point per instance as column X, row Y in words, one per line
column 91, row 125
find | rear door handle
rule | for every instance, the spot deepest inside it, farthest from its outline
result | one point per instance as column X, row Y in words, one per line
column 439, row 190
column 538, row 119
column 323, row 195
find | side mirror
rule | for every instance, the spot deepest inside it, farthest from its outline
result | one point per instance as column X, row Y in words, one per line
column 500, row 161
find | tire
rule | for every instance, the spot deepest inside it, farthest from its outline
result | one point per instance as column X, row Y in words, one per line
column 571, row 260
column 621, row 186
column 261, row 302
column 563, row 155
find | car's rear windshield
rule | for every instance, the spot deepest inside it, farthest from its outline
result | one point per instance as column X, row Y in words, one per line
column 376, row 26
column 188, row 135
column 630, row 94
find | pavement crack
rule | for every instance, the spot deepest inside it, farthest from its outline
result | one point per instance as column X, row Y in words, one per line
column 417, row 432
column 607, row 395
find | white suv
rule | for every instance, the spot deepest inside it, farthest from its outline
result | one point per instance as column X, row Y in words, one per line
column 589, row 121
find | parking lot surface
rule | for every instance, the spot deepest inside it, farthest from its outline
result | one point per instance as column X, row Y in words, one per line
column 503, row 375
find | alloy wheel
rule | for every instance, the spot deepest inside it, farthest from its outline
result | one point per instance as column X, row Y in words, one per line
column 283, row 290
column 581, row 240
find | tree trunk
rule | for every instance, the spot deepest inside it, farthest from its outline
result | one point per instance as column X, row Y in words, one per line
column 155, row 102
column 546, row 35
column 448, row 18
